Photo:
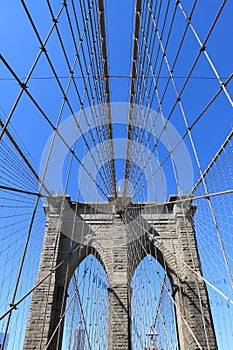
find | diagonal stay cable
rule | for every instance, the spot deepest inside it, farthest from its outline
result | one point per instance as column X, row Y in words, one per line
column 191, row 70
column 24, row 84
column 22, row 155
column 213, row 161
column 187, row 131
column 183, row 262
column 55, row 74
column 87, row 79
column 188, row 19
column 132, row 90
column 49, row 121
column 107, row 89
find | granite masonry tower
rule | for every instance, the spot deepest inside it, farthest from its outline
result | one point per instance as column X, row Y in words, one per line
column 167, row 232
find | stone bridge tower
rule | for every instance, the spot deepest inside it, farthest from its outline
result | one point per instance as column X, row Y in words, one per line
column 166, row 232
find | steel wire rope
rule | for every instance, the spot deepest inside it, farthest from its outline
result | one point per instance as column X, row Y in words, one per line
column 165, row 48
column 58, row 328
column 14, row 223
column 83, row 99
column 220, row 294
column 94, row 79
column 24, row 85
column 193, row 124
column 19, row 330
column 191, row 269
column 183, row 318
column 138, row 73
column 54, row 251
column 133, row 253
column 155, row 299
column 73, row 313
column 12, row 268
column 97, row 65
column 51, row 66
column 212, row 239
column 31, row 290
column 72, row 236
column 20, row 269
column 54, row 128
column 63, row 315
column 194, row 265
column 135, row 249
column 8, row 178
column 66, row 278
column 11, row 165
column 210, row 254
column 71, row 157
column 157, row 55
column 145, row 39
column 79, row 297
column 84, row 307
column 107, row 98
column 160, row 315
column 95, row 302
column 150, row 56
column 143, row 246
column 153, row 41
column 181, row 43
column 19, row 145
column 93, row 212
column 134, row 56
column 64, row 294
column 143, row 297
column 18, row 198
column 104, row 326
column 213, row 161
column 142, row 301
column 133, row 100
column 149, row 115
column 65, row 95
column 205, row 51
column 10, row 234
column 188, row 198
column 12, row 257
column 199, row 166
column 8, row 155
column 84, row 321
column 198, row 77
column 89, row 54
column 167, row 40
column 171, row 230
column 89, row 302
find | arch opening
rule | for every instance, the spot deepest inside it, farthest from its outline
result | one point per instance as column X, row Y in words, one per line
column 87, row 305
column 152, row 308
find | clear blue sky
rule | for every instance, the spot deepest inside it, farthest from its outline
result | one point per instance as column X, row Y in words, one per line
column 19, row 46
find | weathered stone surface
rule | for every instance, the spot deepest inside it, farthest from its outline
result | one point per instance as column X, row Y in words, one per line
column 167, row 234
